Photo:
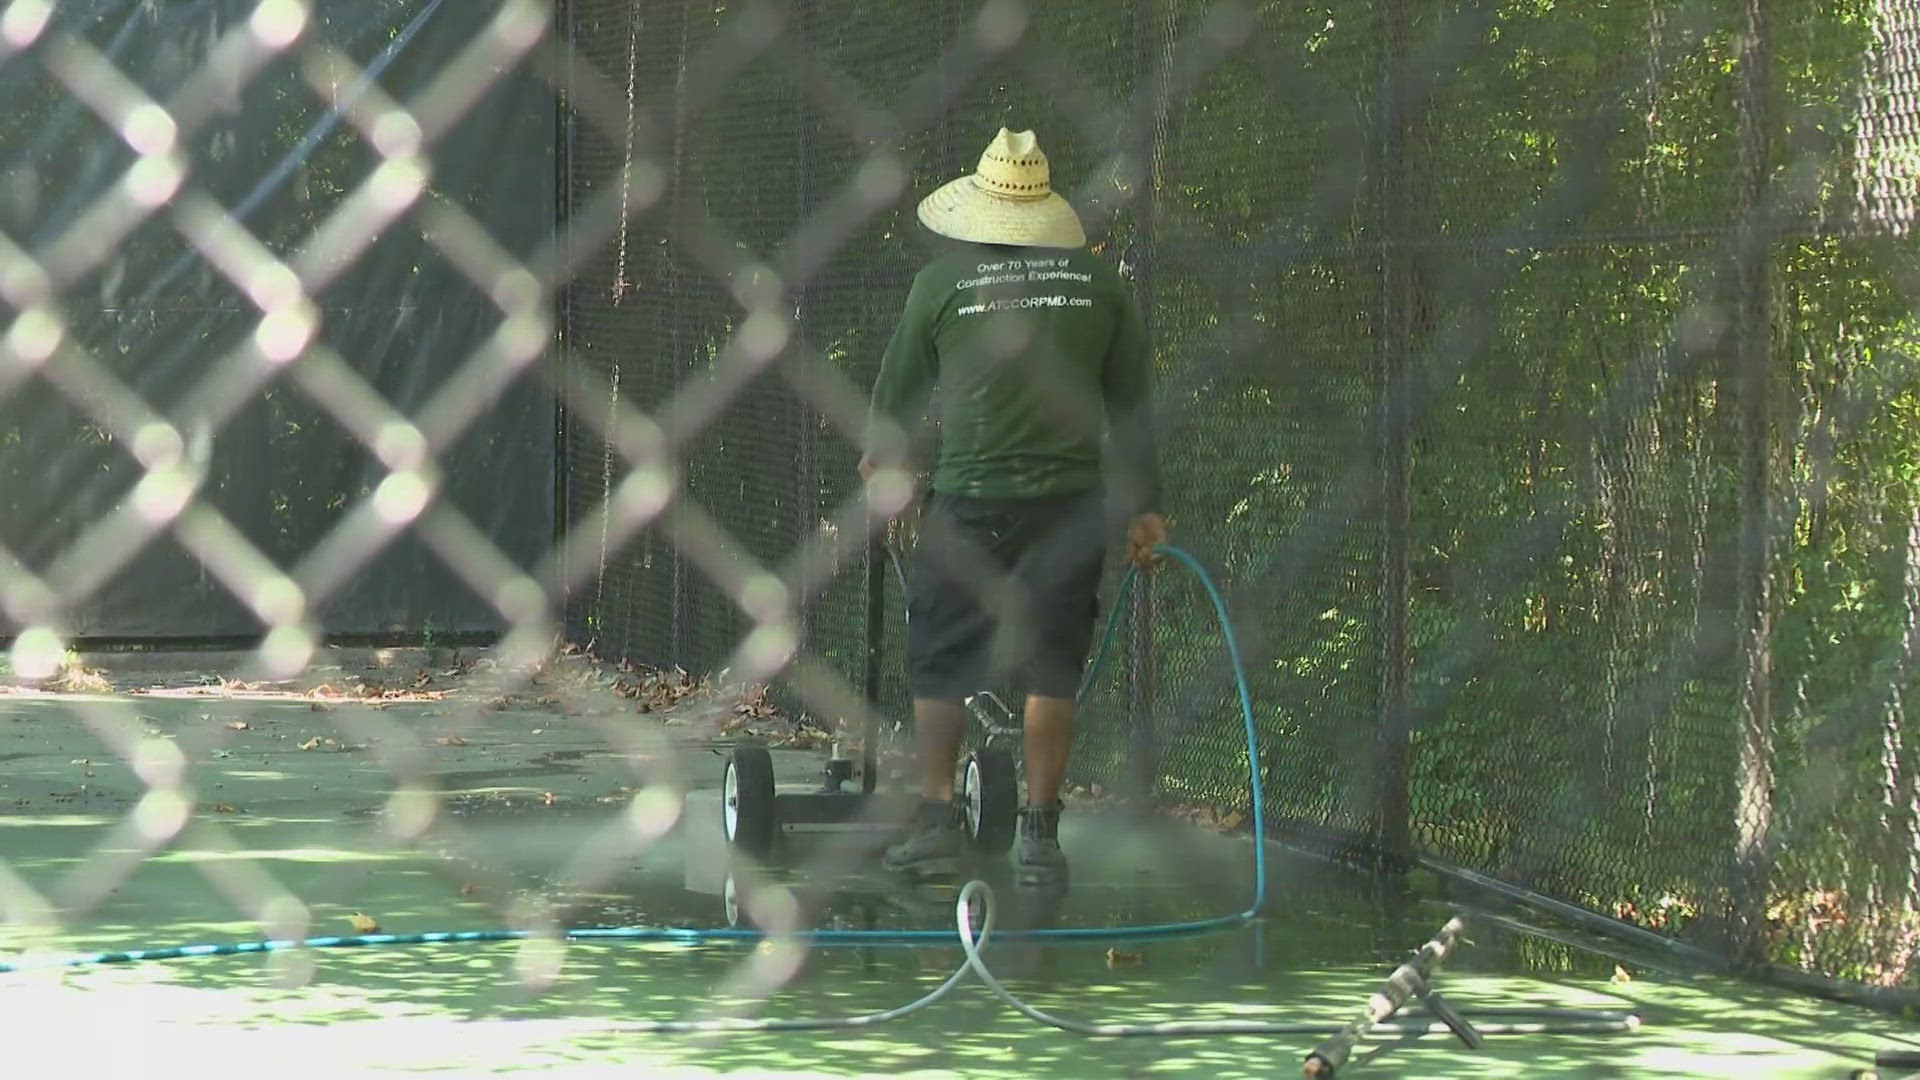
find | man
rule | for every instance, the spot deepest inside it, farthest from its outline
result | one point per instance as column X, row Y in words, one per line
column 1024, row 350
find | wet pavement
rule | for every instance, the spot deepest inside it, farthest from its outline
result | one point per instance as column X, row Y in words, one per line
column 295, row 824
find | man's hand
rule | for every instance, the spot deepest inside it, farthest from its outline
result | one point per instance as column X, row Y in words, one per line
column 1144, row 533
column 900, row 502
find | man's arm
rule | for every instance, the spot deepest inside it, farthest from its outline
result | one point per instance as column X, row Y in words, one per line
column 1127, row 385
column 896, row 414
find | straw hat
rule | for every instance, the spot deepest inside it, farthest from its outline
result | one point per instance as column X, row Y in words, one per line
column 1009, row 199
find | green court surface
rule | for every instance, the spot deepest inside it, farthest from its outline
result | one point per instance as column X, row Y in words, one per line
column 527, row 792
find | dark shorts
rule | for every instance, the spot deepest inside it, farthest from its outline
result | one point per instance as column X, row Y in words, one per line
column 1004, row 593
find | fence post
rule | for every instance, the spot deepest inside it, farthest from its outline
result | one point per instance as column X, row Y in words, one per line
column 811, row 488
column 563, row 160
column 1753, row 352
column 682, row 616
column 1144, row 743
column 876, row 637
column 1143, row 739
column 1391, row 811
column 949, row 158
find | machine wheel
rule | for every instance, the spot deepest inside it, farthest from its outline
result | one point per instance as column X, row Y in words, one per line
column 990, row 792
column 730, row 898
column 746, row 801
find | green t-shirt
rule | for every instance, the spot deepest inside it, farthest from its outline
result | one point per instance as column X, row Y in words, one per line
column 1023, row 359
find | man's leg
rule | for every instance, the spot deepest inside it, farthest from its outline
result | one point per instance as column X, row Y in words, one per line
column 1049, row 733
column 1049, row 740
column 938, row 727
column 1063, row 571
column 937, row 843
column 946, row 633
column 1066, row 585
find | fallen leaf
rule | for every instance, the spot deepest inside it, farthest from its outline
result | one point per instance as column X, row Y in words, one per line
column 1116, row 958
column 311, row 744
column 238, row 725
column 362, row 924
column 1232, row 820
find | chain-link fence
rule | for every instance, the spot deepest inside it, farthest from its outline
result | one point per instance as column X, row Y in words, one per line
column 1536, row 379
column 1533, row 374
column 157, row 298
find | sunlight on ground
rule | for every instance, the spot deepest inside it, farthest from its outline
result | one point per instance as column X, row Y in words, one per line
column 525, row 792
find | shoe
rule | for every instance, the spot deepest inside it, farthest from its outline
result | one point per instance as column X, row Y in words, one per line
column 935, row 847
column 1038, row 861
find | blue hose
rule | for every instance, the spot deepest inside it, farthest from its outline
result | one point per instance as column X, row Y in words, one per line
column 694, row 936
column 1238, row 664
